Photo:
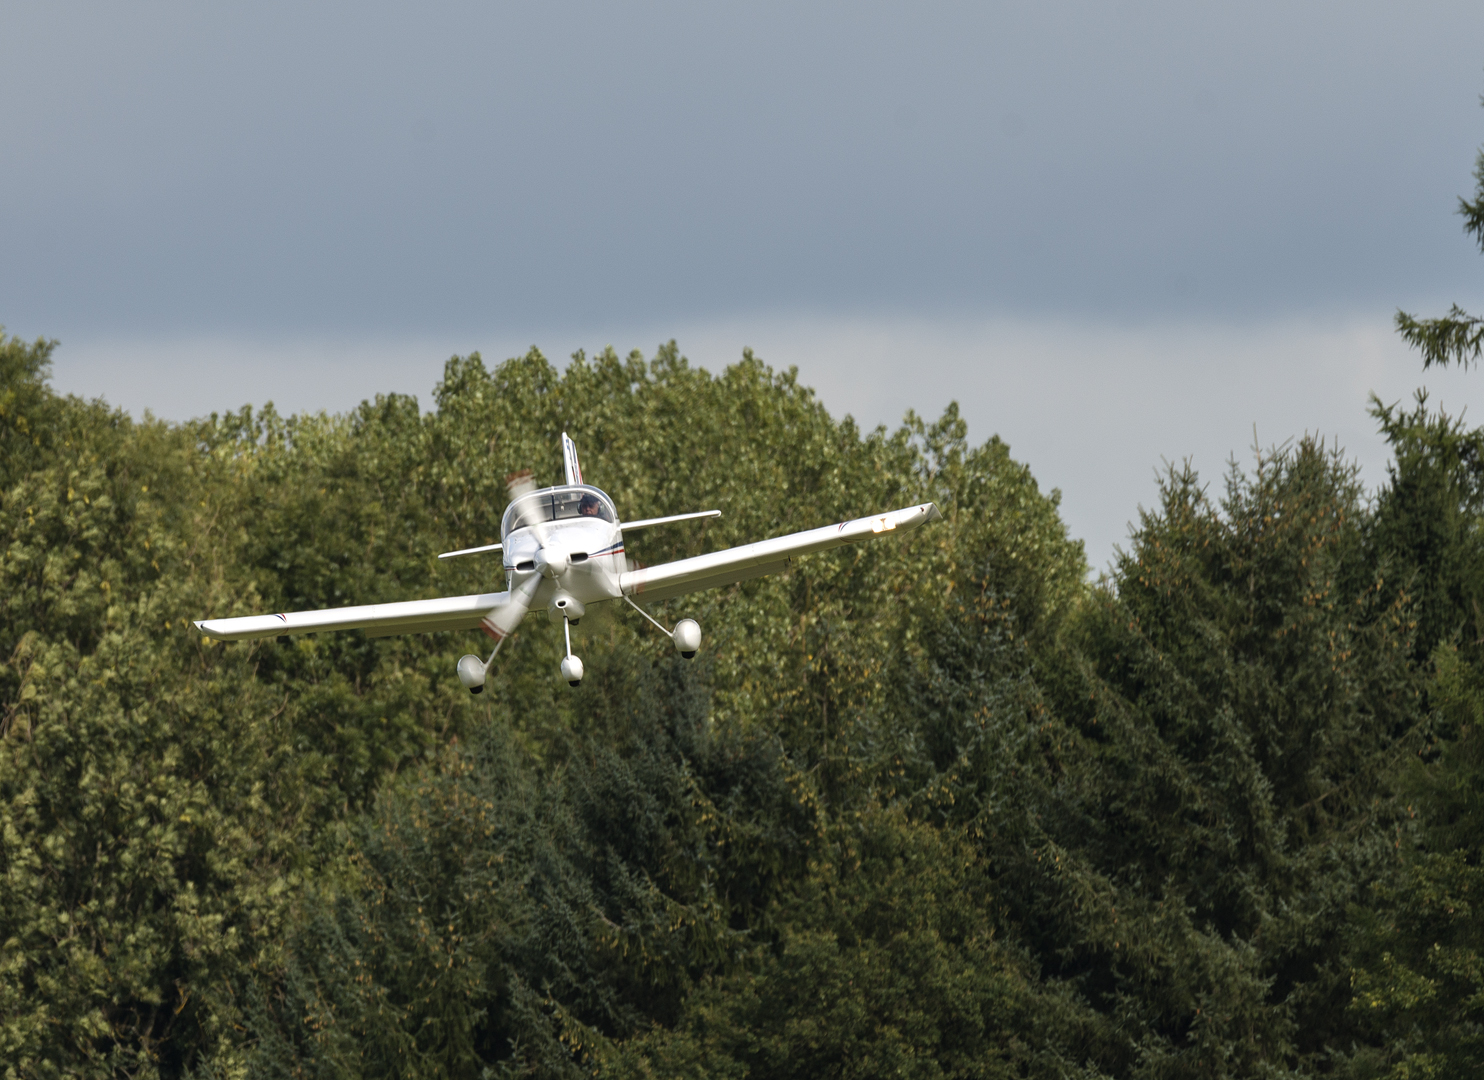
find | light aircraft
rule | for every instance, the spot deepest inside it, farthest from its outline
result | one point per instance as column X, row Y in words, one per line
column 563, row 549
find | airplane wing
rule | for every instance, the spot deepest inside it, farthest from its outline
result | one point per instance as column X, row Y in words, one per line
column 764, row 557
column 378, row 620
column 651, row 583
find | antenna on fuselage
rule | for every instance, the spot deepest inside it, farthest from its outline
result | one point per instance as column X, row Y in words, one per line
column 569, row 460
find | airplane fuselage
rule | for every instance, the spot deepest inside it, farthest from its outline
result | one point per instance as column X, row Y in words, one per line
column 571, row 536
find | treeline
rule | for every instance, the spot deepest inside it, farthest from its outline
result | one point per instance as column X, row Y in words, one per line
column 930, row 808
column 936, row 807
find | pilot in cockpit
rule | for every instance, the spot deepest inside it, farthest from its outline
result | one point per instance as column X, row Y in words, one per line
column 590, row 507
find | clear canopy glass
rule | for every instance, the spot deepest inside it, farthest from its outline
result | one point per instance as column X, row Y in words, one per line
column 557, row 504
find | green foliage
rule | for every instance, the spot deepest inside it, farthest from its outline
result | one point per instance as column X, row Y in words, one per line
column 27, row 412
column 1416, row 973
column 1458, row 337
column 1418, row 981
column 1427, row 522
column 1419, row 974
column 888, row 964
column 486, row 915
column 159, row 795
column 1177, row 792
column 200, row 841
column 140, row 794
column 933, row 806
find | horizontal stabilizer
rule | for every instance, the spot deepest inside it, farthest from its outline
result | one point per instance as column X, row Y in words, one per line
column 471, row 551
column 645, row 523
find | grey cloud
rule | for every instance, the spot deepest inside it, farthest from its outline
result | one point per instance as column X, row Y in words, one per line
column 385, row 168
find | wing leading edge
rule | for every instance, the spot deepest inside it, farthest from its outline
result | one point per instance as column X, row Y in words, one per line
column 766, row 556
column 378, row 620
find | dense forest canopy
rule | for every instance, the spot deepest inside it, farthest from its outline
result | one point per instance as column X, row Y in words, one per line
column 937, row 807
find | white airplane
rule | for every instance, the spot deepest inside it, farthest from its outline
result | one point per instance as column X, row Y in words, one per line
column 563, row 549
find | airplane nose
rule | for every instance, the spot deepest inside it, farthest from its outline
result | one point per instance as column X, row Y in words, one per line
column 552, row 560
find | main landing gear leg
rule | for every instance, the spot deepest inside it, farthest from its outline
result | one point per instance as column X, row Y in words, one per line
column 474, row 671
column 686, row 635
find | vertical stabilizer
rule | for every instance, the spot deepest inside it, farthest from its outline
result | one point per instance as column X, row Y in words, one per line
column 569, row 459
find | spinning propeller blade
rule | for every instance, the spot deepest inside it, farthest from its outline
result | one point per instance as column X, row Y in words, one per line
column 501, row 623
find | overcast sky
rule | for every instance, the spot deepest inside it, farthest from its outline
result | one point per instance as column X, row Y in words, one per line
column 1116, row 233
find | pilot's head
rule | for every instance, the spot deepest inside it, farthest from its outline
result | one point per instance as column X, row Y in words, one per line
column 589, row 507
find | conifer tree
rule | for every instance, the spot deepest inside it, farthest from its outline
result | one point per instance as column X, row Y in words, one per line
column 1418, row 959
column 1458, row 337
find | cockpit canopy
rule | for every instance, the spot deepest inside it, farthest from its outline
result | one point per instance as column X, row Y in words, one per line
column 573, row 502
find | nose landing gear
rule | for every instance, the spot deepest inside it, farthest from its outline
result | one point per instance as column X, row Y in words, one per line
column 473, row 671
column 571, row 665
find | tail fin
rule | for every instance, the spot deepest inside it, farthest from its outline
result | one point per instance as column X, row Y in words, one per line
column 569, row 459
